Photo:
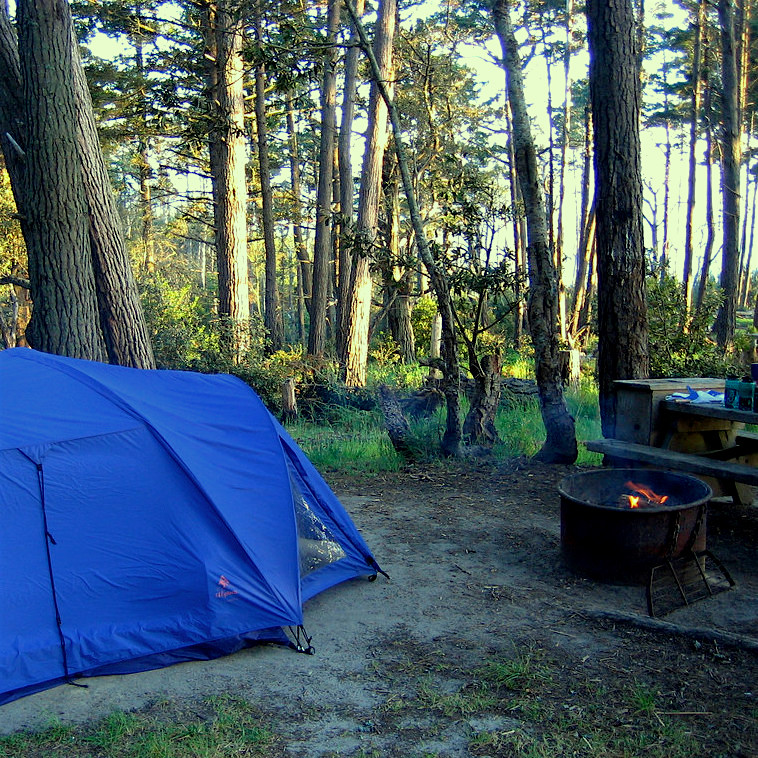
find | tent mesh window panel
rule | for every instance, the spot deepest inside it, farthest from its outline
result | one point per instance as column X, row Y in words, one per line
column 316, row 544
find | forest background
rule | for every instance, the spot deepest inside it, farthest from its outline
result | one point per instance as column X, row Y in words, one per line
column 233, row 134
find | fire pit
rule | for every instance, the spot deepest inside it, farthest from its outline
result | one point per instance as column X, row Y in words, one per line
column 617, row 524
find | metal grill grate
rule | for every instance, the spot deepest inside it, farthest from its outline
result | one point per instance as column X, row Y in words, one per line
column 685, row 580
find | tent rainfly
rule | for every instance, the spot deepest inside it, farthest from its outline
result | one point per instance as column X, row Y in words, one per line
column 151, row 517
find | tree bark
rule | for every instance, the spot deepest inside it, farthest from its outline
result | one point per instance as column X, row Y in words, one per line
column 479, row 424
column 65, row 318
column 121, row 318
column 560, row 443
column 586, row 221
column 709, row 213
column 622, row 302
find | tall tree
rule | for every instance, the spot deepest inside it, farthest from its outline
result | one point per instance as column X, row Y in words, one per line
column 359, row 302
column 615, row 96
column 560, row 442
column 62, row 279
column 228, row 158
column 730, row 177
column 347, row 189
column 120, row 317
column 272, row 316
column 695, row 97
column 449, row 364
column 322, row 250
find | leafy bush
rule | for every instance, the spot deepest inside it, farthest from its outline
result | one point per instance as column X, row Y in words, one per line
column 679, row 351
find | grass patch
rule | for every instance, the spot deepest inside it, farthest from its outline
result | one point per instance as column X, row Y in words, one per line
column 219, row 727
column 356, row 440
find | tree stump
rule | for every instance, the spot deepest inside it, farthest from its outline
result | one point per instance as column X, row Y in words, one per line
column 479, row 425
column 569, row 361
column 289, row 401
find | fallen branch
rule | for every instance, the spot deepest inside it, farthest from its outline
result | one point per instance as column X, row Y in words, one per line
column 691, row 632
column 17, row 280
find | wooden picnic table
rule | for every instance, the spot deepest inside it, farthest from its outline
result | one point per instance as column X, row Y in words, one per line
column 707, row 440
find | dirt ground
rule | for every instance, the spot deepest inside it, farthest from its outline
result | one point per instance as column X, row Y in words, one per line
column 482, row 643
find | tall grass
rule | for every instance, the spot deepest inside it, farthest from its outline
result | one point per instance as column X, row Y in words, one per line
column 356, row 440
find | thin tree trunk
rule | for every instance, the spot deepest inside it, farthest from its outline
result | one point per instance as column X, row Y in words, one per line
column 397, row 280
column 322, row 248
column 748, row 281
column 519, row 235
column 359, row 301
column 451, row 438
column 565, row 135
column 709, row 213
column 586, row 219
column 730, row 178
column 347, row 189
column 272, row 315
column 304, row 265
column 687, row 280
column 143, row 152
column 560, row 444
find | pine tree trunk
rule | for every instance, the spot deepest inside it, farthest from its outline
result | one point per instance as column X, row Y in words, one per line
column 709, row 213
column 622, row 303
column 120, row 312
column 272, row 315
column 519, row 236
column 479, row 424
column 560, row 443
column 122, row 320
column 730, row 178
column 347, row 190
column 451, row 439
column 227, row 168
column 586, row 220
column 65, row 318
column 687, row 281
column 304, row 265
column 322, row 250
column 397, row 281
column 359, row 301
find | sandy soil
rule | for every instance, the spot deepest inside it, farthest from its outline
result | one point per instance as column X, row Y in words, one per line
column 473, row 552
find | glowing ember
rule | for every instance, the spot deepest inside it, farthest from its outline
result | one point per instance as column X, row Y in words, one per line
column 643, row 496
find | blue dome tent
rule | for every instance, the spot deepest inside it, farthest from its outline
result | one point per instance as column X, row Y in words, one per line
column 151, row 517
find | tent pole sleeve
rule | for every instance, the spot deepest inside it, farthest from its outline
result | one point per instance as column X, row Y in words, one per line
column 49, row 540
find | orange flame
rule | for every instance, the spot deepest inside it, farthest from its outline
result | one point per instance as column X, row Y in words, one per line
column 646, row 492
